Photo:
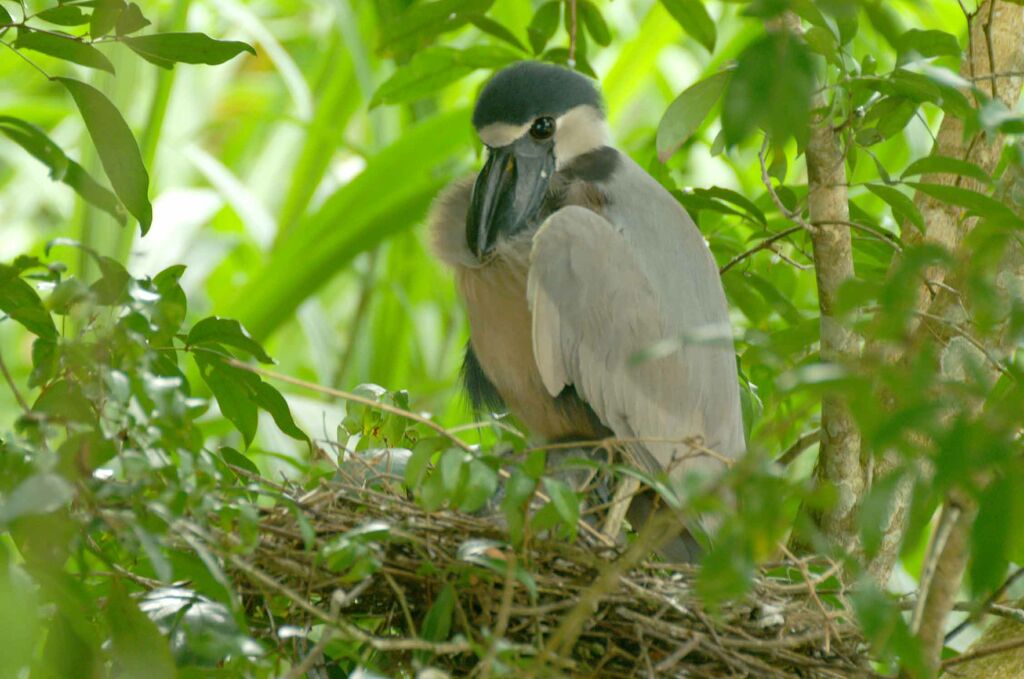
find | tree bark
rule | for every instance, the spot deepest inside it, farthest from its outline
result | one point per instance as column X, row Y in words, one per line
column 995, row 30
column 828, row 206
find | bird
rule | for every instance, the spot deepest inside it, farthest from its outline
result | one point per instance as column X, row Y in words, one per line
column 595, row 305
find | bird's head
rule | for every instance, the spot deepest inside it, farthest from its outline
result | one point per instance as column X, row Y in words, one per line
column 534, row 118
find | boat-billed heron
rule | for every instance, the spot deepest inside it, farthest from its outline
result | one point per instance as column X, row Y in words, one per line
column 595, row 307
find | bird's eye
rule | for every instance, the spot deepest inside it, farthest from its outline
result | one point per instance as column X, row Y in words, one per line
column 542, row 128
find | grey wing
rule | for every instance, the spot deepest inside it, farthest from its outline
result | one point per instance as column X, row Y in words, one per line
column 600, row 324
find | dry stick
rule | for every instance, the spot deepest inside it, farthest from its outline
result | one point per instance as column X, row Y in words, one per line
column 657, row 530
column 504, row 614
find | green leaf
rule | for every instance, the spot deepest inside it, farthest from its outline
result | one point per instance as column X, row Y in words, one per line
column 44, row 362
column 993, row 535
column 694, row 19
column 437, row 624
column 166, row 49
column 427, row 72
column 543, row 26
column 903, row 207
column 480, row 485
column 421, row 22
column 21, row 303
column 64, row 15
column 422, row 453
column 232, row 388
column 237, row 459
column 771, row 88
column 686, row 114
column 105, row 14
column 565, row 501
column 131, row 20
column 822, row 41
column 595, row 23
column 66, row 48
column 492, row 27
column 215, row 330
column 917, row 43
column 117, row 148
column 62, row 168
column 5, row 17
column 139, row 650
column 38, row 494
column 975, row 203
column 270, row 399
column 63, row 400
column 937, row 164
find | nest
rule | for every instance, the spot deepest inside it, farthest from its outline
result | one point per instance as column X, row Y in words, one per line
column 413, row 589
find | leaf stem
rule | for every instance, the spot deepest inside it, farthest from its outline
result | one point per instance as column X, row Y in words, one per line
column 26, row 59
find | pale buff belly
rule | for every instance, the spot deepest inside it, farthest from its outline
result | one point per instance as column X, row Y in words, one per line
column 501, row 335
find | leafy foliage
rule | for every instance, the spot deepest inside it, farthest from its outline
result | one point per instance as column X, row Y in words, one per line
column 291, row 181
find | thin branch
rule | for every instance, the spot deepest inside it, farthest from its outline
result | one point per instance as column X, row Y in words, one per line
column 355, row 398
column 572, row 34
column 989, row 603
column 803, row 443
column 14, row 387
column 26, row 59
column 763, row 245
column 950, row 514
column 793, row 216
column 984, row 651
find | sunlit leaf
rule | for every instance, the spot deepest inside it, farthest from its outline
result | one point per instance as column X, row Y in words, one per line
column 117, row 149
column 62, row 168
column 595, row 23
column 917, row 43
column 105, row 14
column 63, row 47
column 543, row 26
column 166, row 49
column 139, row 650
column 694, row 18
column 64, row 15
column 686, row 114
column 130, row 20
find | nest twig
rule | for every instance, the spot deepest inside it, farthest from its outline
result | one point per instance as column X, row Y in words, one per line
column 513, row 606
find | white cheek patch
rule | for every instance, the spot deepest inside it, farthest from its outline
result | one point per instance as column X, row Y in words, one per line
column 579, row 130
column 497, row 135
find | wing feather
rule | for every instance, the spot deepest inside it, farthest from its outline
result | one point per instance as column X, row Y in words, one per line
column 601, row 325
